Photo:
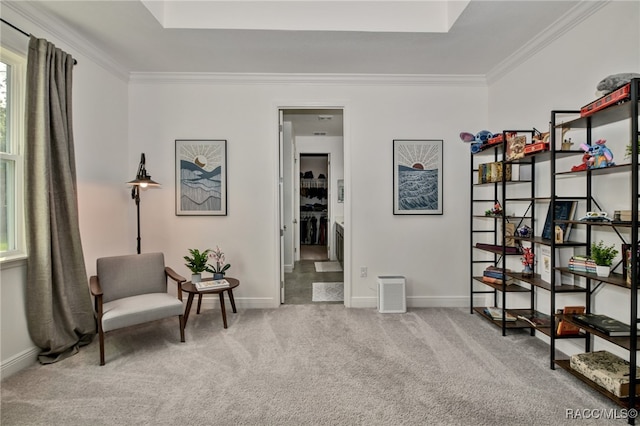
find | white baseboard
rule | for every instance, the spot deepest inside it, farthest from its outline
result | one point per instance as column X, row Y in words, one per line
column 213, row 302
column 18, row 362
column 288, row 268
column 422, row 302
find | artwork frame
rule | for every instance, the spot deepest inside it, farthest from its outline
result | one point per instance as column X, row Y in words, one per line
column 201, row 177
column 417, row 176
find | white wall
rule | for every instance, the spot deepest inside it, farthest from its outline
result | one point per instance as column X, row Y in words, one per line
column 102, row 163
column 563, row 76
column 246, row 115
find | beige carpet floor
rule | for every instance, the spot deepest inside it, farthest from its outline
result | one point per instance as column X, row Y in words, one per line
column 305, row 365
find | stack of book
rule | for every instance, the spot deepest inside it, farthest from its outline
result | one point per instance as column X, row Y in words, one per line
column 495, row 275
column 622, row 215
column 582, row 264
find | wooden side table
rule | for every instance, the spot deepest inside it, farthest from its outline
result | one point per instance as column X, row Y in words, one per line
column 190, row 288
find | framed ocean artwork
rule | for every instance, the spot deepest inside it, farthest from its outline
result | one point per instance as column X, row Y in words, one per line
column 201, row 177
column 417, row 176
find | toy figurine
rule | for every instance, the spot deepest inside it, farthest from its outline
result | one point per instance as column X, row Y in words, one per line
column 602, row 156
column 524, row 231
column 496, row 210
column 596, row 156
column 477, row 140
column 527, row 261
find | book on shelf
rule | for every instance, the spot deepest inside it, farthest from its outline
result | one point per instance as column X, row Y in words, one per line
column 605, row 369
column 604, row 324
column 492, row 172
column 536, row 319
column 626, row 267
column 495, row 272
column 212, row 285
column 496, row 314
column 564, row 328
column 515, row 147
column 564, row 210
column 622, row 215
column 492, row 280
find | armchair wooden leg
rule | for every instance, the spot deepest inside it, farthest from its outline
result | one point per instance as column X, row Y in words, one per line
column 181, row 318
column 101, row 338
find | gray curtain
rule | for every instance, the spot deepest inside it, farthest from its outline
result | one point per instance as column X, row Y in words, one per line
column 59, row 311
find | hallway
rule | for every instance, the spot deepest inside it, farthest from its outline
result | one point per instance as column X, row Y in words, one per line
column 299, row 283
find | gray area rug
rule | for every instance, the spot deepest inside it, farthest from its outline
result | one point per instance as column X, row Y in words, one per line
column 331, row 266
column 305, row 365
column 328, row 292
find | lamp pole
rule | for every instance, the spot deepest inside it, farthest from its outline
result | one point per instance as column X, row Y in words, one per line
column 142, row 180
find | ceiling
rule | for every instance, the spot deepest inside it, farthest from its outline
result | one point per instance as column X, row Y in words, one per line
column 485, row 33
column 128, row 37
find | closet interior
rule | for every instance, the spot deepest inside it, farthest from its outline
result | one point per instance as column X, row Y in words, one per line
column 314, row 181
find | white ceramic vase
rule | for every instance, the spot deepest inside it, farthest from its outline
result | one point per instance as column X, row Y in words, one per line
column 196, row 278
column 603, row 271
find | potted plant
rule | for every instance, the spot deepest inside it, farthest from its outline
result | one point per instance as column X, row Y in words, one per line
column 603, row 257
column 197, row 263
column 220, row 267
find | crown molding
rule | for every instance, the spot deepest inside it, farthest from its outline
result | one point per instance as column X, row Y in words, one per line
column 61, row 31
column 309, row 79
column 548, row 35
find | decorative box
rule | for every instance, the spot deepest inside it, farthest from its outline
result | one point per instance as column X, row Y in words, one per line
column 606, row 369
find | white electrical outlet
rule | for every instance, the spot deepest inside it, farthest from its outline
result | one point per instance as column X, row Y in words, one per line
column 363, row 272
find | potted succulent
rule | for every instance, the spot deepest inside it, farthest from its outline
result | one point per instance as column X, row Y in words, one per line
column 220, row 267
column 197, row 263
column 603, row 257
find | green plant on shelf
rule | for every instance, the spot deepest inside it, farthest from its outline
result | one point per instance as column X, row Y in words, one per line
column 603, row 255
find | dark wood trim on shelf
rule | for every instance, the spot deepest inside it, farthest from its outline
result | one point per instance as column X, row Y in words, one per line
column 511, row 288
column 565, row 364
column 613, row 278
column 538, row 282
column 623, row 342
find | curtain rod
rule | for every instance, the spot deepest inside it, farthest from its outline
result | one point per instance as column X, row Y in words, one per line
column 25, row 33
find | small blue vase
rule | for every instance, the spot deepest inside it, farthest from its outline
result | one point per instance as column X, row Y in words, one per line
column 218, row 276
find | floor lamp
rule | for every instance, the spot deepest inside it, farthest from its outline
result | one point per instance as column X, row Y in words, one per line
column 142, row 180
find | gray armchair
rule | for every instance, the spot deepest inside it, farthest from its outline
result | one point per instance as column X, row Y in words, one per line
column 132, row 290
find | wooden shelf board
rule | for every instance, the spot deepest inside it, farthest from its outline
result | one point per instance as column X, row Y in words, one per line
column 511, row 288
column 538, row 282
column 513, row 325
column 613, row 278
column 623, row 342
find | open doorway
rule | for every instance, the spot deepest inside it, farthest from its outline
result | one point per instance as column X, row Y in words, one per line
column 312, row 167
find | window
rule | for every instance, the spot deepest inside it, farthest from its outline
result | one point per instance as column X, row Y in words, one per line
column 12, row 89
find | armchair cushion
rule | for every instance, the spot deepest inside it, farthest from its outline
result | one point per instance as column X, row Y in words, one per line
column 139, row 309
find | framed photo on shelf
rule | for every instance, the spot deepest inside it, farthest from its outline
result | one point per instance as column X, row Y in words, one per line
column 417, row 176
column 201, row 177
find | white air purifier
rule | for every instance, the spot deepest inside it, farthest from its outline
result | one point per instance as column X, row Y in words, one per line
column 391, row 295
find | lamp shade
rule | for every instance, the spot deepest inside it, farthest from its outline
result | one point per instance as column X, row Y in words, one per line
column 142, row 178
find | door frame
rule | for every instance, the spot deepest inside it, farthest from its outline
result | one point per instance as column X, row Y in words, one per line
column 346, row 147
